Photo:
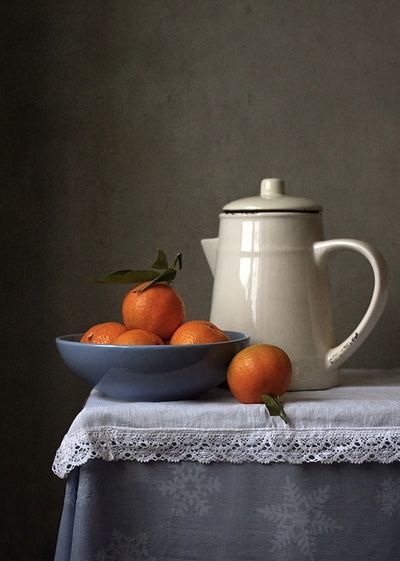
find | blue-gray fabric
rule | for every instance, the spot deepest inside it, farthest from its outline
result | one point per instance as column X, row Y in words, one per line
column 160, row 511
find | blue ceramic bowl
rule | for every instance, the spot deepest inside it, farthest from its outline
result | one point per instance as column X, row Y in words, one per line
column 151, row 372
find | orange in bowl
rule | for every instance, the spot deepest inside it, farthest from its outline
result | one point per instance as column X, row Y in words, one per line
column 158, row 309
column 103, row 333
column 197, row 332
column 138, row 337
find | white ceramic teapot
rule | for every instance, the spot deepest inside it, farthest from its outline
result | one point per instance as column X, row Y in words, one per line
column 271, row 282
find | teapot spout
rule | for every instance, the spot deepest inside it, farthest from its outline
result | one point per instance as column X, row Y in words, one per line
column 210, row 247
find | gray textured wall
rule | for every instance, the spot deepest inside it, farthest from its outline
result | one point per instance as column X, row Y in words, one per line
column 125, row 127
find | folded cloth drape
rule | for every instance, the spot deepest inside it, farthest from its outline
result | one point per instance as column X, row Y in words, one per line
column 357, row 421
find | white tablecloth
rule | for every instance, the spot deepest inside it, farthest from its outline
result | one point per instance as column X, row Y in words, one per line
column 357, row 421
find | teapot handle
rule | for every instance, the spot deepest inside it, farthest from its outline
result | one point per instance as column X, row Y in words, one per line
column 322, row 250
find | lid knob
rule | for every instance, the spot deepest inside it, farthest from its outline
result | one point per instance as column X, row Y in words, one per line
column 272, row 187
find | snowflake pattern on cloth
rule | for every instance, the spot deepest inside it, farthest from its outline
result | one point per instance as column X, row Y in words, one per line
column 388, row 496
column 300, row 518
column 125, row 548
column 191, row 487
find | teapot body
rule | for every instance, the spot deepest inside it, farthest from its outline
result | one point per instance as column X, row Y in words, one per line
column 271, row 282
column 269, row 285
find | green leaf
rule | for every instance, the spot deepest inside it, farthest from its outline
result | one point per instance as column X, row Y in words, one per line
column 160, row 272
column 161, row 262
column 274, row 406
column 128, row 276
column 166, row 276
column 145, row 285
column 178, row 260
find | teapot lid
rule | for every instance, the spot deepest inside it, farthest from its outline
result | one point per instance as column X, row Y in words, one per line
column 272, row 198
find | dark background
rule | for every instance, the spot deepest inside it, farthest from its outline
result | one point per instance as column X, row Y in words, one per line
column 126, row 126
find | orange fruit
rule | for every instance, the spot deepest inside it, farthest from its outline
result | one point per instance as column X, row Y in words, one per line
column 138, row 337
column 103, row 333
column 196, row 332
column 158, row 309
column 259, row 369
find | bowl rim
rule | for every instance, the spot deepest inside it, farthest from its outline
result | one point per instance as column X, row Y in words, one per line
column 238, row 337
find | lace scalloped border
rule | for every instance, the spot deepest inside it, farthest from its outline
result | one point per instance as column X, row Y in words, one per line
column 294, row 446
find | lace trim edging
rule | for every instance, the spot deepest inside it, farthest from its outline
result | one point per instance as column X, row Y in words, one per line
column 294, row 446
